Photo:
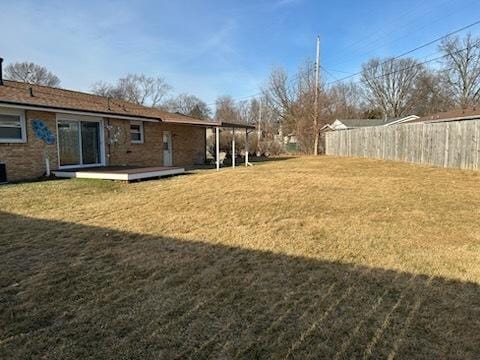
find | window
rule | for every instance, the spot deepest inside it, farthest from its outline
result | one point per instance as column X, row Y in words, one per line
column 136, row 132
column 12, row 126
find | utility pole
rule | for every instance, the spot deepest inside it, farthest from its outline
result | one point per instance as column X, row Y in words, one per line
column 259, row 133
column 259, row 130
column 317, row 80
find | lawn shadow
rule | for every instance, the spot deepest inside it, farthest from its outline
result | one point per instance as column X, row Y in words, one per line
column 74, row 291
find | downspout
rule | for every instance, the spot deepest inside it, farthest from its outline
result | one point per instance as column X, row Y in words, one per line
column 1, row 71
column 109, row 143
column 47, row 165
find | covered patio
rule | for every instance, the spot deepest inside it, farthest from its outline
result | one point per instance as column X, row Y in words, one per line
column 136, row 173
column 248, row 128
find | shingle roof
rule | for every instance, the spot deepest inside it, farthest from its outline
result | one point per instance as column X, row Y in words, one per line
column 19, row 93
column 457, row 114
column 356, row 123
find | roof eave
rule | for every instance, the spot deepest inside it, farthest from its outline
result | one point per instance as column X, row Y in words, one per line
column 458, row 118
column 237, row 126
column 30, row 106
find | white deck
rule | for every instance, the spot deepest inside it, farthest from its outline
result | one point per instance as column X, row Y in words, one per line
column 119, row 174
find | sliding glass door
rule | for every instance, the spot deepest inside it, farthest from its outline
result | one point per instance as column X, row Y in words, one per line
column 69, row 142
column 79, row 143
column 90, row 142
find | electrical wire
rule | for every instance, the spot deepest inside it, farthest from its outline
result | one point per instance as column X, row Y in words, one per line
column 413, row 50
column 385, row 62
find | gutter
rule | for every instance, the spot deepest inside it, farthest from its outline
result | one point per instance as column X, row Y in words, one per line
column 26, row 106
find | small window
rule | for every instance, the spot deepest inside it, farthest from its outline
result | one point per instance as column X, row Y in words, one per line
column 136, row 132
column 12, row 126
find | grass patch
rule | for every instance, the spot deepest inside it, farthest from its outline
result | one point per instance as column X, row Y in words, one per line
column 307, row 257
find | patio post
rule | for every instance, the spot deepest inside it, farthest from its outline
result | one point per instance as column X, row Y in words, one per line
column 246, row 147
column 217, row 147
column 233, row 148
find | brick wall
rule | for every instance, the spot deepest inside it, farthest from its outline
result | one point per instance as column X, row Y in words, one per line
column 188, row 144
column 122, row 152
column 27, row 160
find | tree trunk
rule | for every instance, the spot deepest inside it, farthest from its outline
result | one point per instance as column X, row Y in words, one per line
column 317, row 137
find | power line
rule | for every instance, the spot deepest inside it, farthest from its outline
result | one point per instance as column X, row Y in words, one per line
column 338, row 71
column 418, row 64
column 296, row 77
column 385, row 62
column 413, row 50
column 329, row 73
column 368, row 44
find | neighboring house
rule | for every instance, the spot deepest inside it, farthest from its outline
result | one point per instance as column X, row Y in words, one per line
column 346, row 124
column 452, row 115
column 44, row 128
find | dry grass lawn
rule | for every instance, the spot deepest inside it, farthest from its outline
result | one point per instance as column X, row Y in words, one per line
column 300, row 258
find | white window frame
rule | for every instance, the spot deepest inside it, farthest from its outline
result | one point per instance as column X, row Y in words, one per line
column 142, row 132
column 23, row 126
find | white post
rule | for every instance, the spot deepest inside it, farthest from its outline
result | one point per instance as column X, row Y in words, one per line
column 47, row 166
column 246, row 147
column 217, row 147
column 233, row 148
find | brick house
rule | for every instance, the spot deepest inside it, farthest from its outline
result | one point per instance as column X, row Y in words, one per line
column 44, row 128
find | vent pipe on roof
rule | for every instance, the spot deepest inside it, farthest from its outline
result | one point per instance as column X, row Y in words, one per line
column 1, row 71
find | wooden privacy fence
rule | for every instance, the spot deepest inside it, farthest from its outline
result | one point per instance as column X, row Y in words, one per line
column 454, row 144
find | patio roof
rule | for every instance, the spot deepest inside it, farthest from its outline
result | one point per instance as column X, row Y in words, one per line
column 237, row 125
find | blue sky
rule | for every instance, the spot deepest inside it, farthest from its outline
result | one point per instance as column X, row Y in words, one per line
column 212, row 48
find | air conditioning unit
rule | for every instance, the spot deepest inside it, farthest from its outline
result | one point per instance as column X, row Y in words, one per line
column 3, row 173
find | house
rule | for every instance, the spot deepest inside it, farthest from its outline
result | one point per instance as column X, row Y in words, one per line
column 452, row 115
column 347, row 124
column 45, row 129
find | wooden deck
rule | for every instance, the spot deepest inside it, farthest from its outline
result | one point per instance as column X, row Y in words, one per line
column 124, row 173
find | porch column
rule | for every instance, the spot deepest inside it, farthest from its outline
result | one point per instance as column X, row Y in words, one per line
column 233, row 149
column 217, row 147
column 246, row 147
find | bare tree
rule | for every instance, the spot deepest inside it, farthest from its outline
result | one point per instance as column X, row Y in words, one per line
column 431, row 95
column 249, row 111
column 390, row 84
column 462, row 69
column 139, row 89
column 201, row 111
column 293, row 101
column 107, row 90
column 345, row 100
column 31, row 73
column 226, row 109
column 189, row 105
column 281, row 97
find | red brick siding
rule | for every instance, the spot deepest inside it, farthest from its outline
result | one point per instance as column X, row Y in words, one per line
column 188, row 145
column 27, row 160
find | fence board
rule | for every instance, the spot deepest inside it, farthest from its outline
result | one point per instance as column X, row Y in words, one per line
column 453, row 144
